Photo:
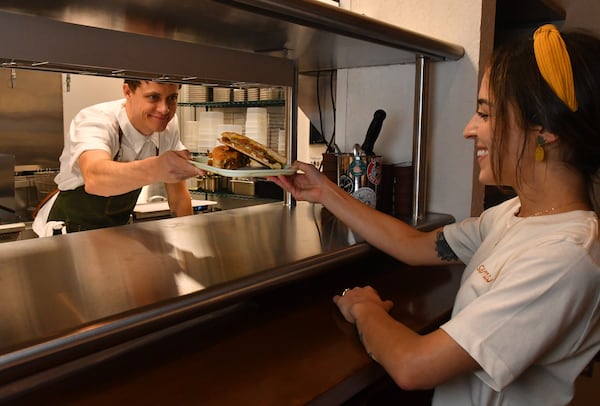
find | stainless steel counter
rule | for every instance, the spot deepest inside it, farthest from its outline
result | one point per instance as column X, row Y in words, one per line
column 68, row 296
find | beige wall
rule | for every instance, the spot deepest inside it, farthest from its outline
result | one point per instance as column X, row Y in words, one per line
column 85, row 91
column 454, row 93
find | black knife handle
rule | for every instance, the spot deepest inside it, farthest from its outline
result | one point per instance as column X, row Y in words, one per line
column 373, row 131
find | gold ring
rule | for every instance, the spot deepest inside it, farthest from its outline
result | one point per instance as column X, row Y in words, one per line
column 345, row 291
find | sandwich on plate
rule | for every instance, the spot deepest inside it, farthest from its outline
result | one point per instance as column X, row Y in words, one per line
column 253, row 149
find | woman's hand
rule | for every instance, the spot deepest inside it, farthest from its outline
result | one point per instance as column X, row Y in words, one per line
column 308, row 185
column 351, row 300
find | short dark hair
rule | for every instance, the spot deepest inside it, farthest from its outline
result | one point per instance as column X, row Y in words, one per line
column 134, row 83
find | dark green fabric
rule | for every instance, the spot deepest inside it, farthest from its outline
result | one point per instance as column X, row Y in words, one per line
column 83, row 211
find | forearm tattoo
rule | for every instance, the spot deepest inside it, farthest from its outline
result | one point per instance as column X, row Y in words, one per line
column 442, row 248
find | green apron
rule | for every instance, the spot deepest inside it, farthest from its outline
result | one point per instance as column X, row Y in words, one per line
column 83, row 211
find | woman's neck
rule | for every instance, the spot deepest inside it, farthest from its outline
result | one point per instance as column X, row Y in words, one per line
column 552, row 191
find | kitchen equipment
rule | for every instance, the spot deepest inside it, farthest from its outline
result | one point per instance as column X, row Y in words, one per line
column 329, row 166
column 156, row 210
column 385, row 200
column 189, row 135
column 257, row 124
column 242, row 187
column 373, row 132
column 11, row 232
column 44, row 183
column 360, row 174
column 403, row 189
column 239, row 95
column 235, row 128
column 221, row 94
column 31, row 184
column 212, row 183
column 253, row 94
column 208, row 129
column 197, row 94
column 267, row 190
column 7, row 183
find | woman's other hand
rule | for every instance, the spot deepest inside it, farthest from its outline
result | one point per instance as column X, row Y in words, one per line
column 357, row 298
column 307, row 185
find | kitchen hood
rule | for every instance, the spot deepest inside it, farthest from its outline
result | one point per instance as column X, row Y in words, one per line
column 313, row 35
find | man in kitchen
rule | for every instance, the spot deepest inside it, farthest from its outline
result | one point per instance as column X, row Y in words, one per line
column 111, row 151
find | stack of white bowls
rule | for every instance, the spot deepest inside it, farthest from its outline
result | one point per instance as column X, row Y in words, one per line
column 257, row 124
column 221, row 94
column 208, row 129
column 239, row 95
column 266, row 93
column 253, row 94
column 281, row 141
column 235, row 128
column 184, row 94
column 185, row 113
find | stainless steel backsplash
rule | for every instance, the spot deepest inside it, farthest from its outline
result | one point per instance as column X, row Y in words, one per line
column 7, row 184
column 31, row 117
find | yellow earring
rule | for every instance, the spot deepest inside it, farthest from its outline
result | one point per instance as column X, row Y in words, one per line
column 539, row 150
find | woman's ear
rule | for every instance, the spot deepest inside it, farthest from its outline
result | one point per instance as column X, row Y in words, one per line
column 544, row 134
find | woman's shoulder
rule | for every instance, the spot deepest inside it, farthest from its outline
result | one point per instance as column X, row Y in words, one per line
column 579, row 227
column 508, row 207
column 501, row 214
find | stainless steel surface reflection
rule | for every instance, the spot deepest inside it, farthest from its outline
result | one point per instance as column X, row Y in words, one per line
column 56, row 288
column 71, row 300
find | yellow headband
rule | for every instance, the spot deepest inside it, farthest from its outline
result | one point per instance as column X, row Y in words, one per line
column 554, row 63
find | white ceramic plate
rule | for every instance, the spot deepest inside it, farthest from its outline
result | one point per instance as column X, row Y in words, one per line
column 244, row 172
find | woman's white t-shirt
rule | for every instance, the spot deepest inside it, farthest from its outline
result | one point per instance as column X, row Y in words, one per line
column 528, row 308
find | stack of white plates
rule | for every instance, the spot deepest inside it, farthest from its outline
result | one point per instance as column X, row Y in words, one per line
column 253, row 94
column 221, row 94
column 208, row 129
column 189, row 135
column 197, row 93
column 257, row 124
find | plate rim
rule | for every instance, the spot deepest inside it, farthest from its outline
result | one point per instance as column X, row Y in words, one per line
column 243, row 173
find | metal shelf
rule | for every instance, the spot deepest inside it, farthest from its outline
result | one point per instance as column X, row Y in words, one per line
column 257, row 103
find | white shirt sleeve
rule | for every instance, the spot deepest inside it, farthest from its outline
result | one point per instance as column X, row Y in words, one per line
column 93, row 131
